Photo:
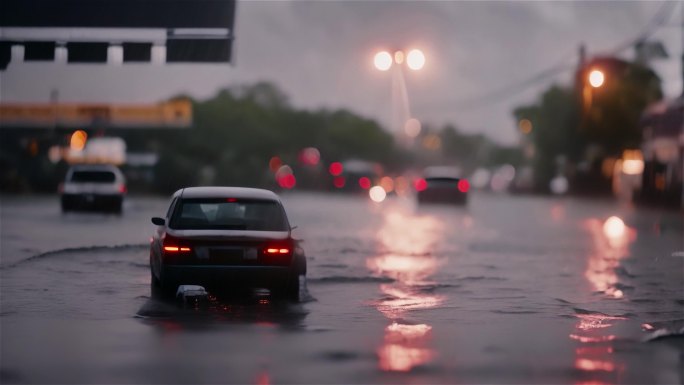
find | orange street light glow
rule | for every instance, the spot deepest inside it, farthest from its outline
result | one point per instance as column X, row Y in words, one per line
column 399, row 57
column 78, row 140
column 596, row 78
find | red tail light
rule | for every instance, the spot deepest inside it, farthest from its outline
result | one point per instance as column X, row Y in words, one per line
column 420, row 184
column 173, row 245
column 463, row 186
column 60, row 188
column 176, row 248
column 278, row 254
column 123, row 189
column 275, row 250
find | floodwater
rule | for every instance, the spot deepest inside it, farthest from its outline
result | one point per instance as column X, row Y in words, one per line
column 506, row 290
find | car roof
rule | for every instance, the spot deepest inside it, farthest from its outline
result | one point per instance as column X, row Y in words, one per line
column 227, row 192
column 442, row 172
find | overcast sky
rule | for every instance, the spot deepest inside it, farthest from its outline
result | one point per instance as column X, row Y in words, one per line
column 320, row 54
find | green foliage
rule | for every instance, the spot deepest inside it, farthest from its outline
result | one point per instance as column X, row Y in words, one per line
column 236, row 132
column 566, row 122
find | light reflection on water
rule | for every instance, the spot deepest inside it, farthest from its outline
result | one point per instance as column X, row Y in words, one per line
column 611, row 246
column 595, row 355
column 407, row 241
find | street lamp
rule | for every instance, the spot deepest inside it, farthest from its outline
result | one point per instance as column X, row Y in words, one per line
column 596, row 78
column 414, row 60
column 383, row 60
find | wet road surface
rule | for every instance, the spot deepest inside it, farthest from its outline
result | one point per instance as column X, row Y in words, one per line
column 507, row 290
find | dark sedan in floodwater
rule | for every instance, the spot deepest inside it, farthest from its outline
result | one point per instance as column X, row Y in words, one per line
column 226, row 237
column 442, row 185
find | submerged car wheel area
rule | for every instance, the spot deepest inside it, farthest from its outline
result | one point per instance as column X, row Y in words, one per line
column 226, row 238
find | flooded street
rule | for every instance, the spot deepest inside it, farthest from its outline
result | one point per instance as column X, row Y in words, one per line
column 506, row 290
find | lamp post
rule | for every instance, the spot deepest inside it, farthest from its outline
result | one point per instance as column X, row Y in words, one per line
column 415, row 61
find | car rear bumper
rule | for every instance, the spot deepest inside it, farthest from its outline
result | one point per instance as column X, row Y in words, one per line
column 216, row 275
column 91, row 201
column 440, row 196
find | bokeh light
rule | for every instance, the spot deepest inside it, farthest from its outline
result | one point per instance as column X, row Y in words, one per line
column 387, row 183
column 559, row 185
column 399, row 57
column 596, row 78
column 274, row 164
column 463, row 185
column 377, row 194
column 415, row 59
column 614, row 227
column 78, row 140
column 339, row 181
column 412, row 127
column 383, row 60
column 309, row 156
column 285, row 177
column 525, row 126
column 335, row 168
column 364, row 182
column 432, row 142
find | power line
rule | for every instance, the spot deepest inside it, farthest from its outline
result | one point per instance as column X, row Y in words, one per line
column 659, row 18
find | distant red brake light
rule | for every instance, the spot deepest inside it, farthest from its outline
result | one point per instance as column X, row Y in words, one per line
column 364, row 182
column 463, row 185
column 420, row 184
column 123, row 189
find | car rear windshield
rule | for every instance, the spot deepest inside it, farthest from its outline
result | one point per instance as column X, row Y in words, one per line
column 93, row 176
column 437, row 182
column 229, row 214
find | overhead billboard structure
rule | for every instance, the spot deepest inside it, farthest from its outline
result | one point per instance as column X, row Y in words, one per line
column 100, row 31
column 171, row 114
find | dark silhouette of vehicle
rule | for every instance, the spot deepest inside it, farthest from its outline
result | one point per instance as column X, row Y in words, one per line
column 441, row 185
column 226, row 237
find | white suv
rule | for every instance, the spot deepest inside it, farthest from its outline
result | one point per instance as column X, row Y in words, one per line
column 99, row 187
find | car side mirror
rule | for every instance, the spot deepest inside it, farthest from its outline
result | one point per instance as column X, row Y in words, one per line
column 158, row 221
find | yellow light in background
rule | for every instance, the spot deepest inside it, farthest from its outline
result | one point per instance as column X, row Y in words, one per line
column 633, row 162
column 399, row 57
column 596, row 78
column 525, row 126
column 383, row 60
column 387, row 183
column 614, row 227
column 377, row 194
column 78, row 140
column 412, row 127
column 432, row 142
column 415, row 59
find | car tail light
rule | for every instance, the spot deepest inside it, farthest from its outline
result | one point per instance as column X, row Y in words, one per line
column 420, row 184
column 175, row 246
column 463, row 185
column 60, row 188
column 123, row 189
column 277, row 250
column 279, row 253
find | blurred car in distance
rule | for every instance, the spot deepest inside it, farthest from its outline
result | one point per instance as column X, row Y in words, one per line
column 226, row 237
column 96, row 187
column 442, row 185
